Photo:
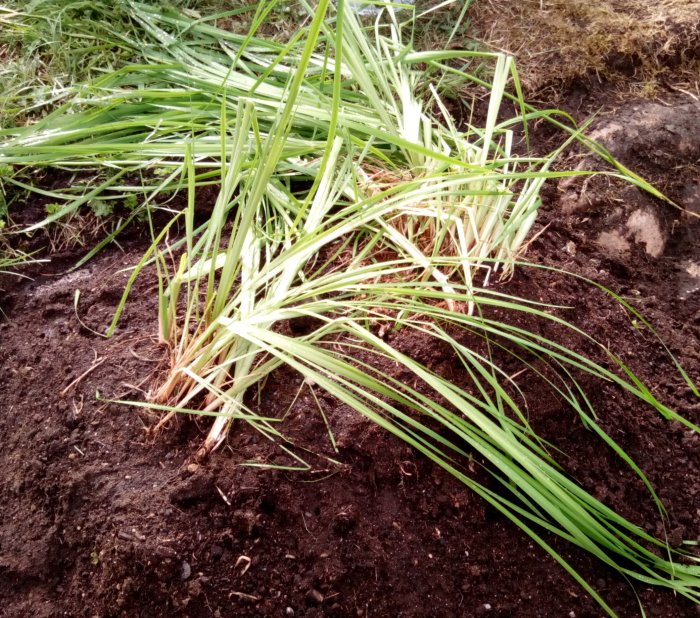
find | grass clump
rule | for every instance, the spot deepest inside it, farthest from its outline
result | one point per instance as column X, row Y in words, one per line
column 348, row 198
column 49, row 44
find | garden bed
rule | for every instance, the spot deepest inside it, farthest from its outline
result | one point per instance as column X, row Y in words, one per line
column 103, row 518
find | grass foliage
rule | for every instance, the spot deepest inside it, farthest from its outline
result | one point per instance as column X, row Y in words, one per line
column 348, row 198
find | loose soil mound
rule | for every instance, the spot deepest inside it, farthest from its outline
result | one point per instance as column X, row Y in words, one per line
column 640, row 48
column 102, row 519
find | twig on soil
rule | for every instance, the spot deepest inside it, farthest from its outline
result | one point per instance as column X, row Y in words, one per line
column 246, row 564
column 243, row 595
column 143, row 358
column 95, row 365
column 223, row 496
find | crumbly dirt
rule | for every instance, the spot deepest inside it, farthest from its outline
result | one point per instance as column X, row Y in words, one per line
column 102, row 519
column 619, row 46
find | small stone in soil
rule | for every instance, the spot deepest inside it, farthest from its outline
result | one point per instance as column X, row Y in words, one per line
column 185, row 571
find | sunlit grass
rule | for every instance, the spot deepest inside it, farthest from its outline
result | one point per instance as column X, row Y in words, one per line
column 348, row 197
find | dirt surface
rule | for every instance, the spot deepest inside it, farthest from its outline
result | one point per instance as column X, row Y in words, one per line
column 101, row 519
column 615, row 48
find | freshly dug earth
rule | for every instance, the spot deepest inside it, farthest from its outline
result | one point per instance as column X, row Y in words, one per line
column 100, row 518
column 610, row 46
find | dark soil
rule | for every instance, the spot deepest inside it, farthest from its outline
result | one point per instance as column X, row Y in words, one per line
column 101, row 519
column 627, row 47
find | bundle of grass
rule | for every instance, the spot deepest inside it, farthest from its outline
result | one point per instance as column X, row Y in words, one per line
column 352, row 203
column 414, row 229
